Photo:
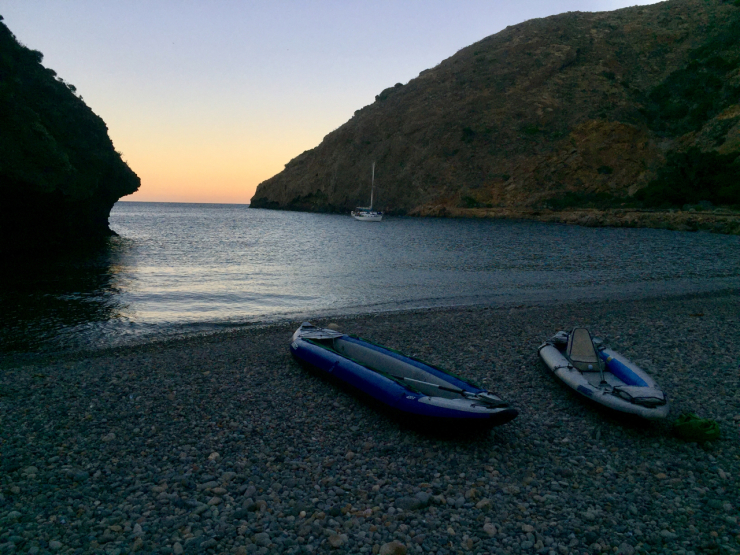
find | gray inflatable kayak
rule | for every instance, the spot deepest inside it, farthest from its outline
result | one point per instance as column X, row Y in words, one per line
column 603, row 375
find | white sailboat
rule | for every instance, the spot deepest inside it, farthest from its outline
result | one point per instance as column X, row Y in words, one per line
column 366, row 213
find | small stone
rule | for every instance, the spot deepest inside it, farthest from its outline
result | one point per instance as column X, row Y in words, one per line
column 138, row 530
column 213, row 456
column 215, row 501
column 200, row 509
column 250, row 491
column 337, row 541
column 722, row 474
column 14, row 515
column 256, row 506
column 108, row 536
column 489, row 528
column 424, row 497
column 177, row 548
column 393, row 548
column 589, row 515
column 219, row 491
column 138, row 543
column 349, row 456
column 208, row 485
column 228, row 476
column 408, row 503
column 626, row 549
column 661, row 476
column 55, row 545
column 527, row 528
column 483, row 505
column 107, row 438
column 262, row 539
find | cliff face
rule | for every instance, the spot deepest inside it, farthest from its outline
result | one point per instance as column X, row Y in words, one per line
column 59, row 172
column 551, row 111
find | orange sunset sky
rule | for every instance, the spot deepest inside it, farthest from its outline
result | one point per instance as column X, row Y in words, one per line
column 206, row 99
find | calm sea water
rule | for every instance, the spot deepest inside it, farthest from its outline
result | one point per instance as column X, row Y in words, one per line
column 192, row 268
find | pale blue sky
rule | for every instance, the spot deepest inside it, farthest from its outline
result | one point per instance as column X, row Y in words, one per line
column 208, row 98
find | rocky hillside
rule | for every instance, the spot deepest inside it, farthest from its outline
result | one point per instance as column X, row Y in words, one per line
column 578, row 109
column 59, row 172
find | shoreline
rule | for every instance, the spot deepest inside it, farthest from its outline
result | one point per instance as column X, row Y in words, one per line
column 215, row 330
column 722, row 221
column 223, row 443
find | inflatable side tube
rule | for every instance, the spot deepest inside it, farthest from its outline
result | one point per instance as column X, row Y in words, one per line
column 553, row 358
column 564, row 370
column 624, row 369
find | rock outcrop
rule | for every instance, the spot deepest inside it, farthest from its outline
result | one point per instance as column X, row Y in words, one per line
column 59, row 172
column 554, row 112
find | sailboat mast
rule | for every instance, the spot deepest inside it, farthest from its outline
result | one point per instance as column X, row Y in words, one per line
column 372, row 187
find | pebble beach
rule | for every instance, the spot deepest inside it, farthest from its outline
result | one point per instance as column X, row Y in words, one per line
column 225, row 444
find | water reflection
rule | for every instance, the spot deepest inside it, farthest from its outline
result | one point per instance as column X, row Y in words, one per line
column 187, row 268
column 49, row 298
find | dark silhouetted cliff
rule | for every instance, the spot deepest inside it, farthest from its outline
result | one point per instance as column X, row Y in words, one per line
column 575, row 110
column 59, row 172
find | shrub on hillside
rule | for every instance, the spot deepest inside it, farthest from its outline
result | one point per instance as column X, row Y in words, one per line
column 694, row 176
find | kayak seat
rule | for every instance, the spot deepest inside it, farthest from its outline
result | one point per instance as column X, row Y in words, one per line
column 581, row 351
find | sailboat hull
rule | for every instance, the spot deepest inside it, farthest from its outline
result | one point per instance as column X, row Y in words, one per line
column 367, row 216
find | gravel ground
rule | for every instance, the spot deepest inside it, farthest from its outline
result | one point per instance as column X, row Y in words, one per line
column 224, row 444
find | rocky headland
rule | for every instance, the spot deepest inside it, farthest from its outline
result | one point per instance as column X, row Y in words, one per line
column 59, row 172
column 635, row 109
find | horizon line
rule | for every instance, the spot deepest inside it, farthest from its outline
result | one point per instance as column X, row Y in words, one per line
column 184, row 202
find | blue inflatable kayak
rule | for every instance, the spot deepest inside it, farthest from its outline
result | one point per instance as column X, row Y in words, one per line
column 412, row 389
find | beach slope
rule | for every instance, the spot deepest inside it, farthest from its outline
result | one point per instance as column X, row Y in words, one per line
column 225, row 444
